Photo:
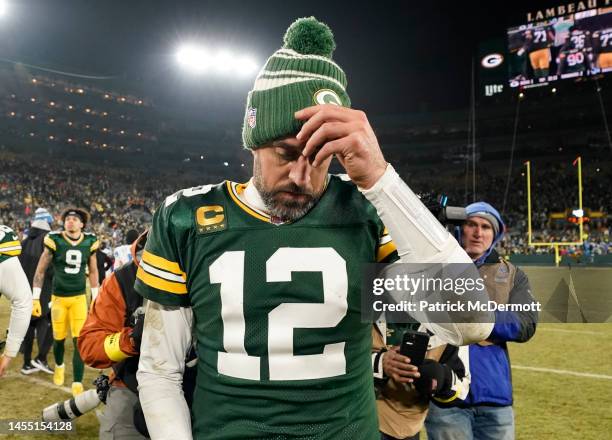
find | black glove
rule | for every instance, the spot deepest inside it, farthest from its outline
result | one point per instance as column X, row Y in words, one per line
column 138, row 324
column 436, row 378
column 102, row 386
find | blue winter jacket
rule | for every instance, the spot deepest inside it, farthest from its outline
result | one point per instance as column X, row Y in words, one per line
column 491, row 378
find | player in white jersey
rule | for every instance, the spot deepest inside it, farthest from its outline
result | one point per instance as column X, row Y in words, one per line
column 14, row 285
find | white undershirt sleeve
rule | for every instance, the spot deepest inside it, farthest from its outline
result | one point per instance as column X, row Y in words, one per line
column 166, row 339
column 14, row 285
column 418, row 235
column 420, row 238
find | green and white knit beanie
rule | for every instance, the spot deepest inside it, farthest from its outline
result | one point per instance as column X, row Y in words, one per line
column 298, row 75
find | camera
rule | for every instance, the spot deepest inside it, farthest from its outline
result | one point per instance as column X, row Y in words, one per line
column 77, row 406
column 449, row 216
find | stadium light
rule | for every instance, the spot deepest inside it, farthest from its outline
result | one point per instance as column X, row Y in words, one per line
column 224, row 61
column 245, row 66
column 3, row 8
column 199, row 60
column 194, row 59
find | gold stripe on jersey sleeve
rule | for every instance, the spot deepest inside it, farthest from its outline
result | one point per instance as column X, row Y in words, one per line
column 162, row 263
column 14, row 253
column 48, row 241
column 385, row 250
column 161, row 284
column 95, row 246
column 10, row 244
column 10, row 248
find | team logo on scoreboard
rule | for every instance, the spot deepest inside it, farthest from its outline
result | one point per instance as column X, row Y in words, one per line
column 492, row 60
column 327, row 96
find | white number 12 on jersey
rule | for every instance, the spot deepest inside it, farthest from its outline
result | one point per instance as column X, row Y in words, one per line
column 228, row 270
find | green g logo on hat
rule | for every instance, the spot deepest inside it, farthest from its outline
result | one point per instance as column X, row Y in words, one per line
column 326, row 96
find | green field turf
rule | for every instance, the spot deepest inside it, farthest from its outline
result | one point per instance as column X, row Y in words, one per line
column 572, row 400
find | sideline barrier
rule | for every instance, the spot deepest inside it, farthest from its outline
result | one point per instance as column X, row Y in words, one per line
column 549, row 260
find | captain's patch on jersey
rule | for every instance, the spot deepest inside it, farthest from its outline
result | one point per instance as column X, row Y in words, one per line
column 210, row 219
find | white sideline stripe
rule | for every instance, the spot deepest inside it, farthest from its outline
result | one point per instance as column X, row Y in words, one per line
column 565, row 372
column 38, row 381
column 583, row 332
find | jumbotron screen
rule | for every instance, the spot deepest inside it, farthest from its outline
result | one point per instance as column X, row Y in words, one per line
column 573, row 46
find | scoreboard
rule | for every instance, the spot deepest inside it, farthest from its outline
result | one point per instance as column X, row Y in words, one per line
column 546, row 50
column 572, row 46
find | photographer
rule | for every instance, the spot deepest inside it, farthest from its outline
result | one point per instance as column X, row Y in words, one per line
column 111, row 338
column 403, row 391
column 486, row 413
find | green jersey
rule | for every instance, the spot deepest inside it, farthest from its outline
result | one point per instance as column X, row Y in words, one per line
column 282, row 351
column 9, row 243
column 70, row 259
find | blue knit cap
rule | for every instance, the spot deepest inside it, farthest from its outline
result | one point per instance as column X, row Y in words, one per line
column 43, row 214
column 486, row 211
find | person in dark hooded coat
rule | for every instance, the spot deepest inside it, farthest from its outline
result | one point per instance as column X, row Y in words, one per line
column 40, row 326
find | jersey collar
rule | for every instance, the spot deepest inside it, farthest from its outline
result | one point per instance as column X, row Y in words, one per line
column 247, row 197
column 71, row 241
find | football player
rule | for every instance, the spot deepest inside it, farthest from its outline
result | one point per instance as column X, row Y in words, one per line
column 70, row 251
column 14, row 285
column 576, row 53
column 602, row 42
column 537, row 45
column 267, row 274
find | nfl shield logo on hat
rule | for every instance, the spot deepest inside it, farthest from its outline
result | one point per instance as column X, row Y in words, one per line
column 252, row 117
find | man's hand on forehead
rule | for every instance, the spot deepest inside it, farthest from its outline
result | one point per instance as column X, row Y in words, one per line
column 331, row 129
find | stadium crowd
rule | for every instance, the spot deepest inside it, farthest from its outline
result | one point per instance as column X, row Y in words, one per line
column 123, row 198
column 117, row 199
column 554, row 195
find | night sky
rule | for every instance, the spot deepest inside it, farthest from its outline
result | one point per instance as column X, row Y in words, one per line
column 399, row 56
